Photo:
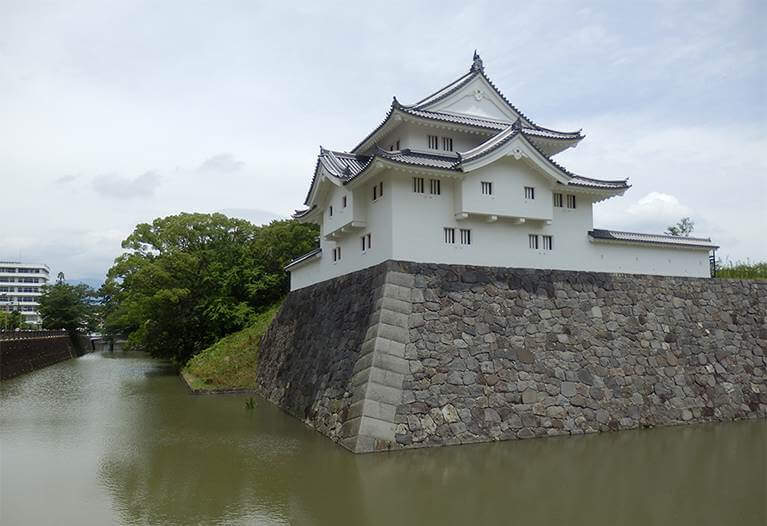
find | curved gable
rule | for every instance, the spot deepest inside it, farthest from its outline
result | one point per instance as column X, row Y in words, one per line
column 477, row 98
column 512, row 143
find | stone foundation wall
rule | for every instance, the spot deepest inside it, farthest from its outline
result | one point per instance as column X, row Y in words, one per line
column 26, row 354
column 21, row 356
column 308, row 354
column 455, row 355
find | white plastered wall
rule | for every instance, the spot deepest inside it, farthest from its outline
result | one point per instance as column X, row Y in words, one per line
column 409, row 226
column 377, row 216
column 416, row 137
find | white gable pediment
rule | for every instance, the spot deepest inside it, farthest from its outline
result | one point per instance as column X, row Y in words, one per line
column 520, row 149
column 478, row 99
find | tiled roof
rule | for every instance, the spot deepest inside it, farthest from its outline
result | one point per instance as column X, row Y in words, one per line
column 462, row 81
column 465, row 120
column 489, row 124
column 658, row 239
column 418, row 158
column 491, row 144
column 301, row 259
column 419, row 109
column 446, row 91
column 341, row 164
column 579, row 180
column 302, row 213
column 347, row 166
column 552, row 134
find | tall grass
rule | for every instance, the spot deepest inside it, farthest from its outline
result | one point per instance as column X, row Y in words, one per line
column 741, row 269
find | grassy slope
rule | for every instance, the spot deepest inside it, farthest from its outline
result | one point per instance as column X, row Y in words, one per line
column 231, row 362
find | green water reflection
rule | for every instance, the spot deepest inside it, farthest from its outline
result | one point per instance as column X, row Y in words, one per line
column 117, row 439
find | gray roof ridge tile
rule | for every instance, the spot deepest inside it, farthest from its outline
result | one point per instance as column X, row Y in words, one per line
column 655, row 236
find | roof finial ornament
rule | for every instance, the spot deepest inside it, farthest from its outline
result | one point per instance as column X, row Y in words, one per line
column 476, row 65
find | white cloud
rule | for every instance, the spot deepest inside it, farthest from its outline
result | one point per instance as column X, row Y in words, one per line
column 66, row 179
column 254, row 215
column 118, row 187
column 136, row 87
column 658, row 207
column 715, row 175
column 223, row 163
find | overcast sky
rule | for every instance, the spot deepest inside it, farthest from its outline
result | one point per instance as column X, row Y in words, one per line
column 114, row 113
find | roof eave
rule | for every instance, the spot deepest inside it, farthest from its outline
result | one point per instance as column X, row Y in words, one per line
column 309, row 257
column 703, row 245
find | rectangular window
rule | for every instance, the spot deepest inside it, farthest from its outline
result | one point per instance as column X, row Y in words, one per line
column 378, row 191
column 449, row 235
column 365, row 242
column 418, row 185
column 548, row 243
column 397, row 145
column 330, row 211
column 343, row 201
column 433, row 142
column 529, row 192
column 447, row 144
column 533, row 240
column 465, row 236
column 487, row 188
column 570, row 201
column 558, row 202
column 375, row 192
column 337, row 254
column 434, row 188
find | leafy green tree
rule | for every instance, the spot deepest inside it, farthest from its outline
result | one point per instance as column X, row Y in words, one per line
column 70, row 307
column 683, row 228
column 184, row 281
column 10, row 321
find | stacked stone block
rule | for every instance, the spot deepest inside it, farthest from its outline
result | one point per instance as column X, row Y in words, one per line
column 454, row 355
column 381, row 368
column 21, row 356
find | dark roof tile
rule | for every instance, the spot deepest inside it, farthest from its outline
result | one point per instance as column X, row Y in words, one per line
column 658, row 239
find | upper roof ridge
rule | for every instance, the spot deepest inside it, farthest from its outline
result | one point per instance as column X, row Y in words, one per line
column 476, row 64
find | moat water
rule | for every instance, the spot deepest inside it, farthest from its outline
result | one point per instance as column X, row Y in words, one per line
column 117, row 439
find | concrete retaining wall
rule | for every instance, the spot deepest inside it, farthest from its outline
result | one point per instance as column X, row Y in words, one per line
column 412, row 355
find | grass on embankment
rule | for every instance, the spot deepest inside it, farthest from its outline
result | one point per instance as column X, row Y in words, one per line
column 231, row 362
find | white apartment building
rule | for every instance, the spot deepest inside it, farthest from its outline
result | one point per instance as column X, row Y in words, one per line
column 20, row 288
column 464, row 177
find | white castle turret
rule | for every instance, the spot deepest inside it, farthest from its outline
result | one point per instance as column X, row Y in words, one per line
column 464, row 177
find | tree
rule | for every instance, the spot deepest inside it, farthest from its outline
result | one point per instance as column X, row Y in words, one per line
column 184, row 281
column 69, row 307
column 10, row 321
column 683, row 228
